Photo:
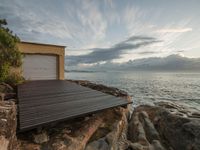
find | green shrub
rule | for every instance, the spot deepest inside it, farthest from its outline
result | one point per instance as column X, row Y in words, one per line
column 14, row 79
column 9, row 53
column 4, row 71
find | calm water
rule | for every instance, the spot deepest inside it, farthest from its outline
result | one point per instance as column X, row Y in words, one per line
column 149, row 87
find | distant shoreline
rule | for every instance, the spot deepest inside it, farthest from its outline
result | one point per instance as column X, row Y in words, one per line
column 83, row 71
column 150, row 71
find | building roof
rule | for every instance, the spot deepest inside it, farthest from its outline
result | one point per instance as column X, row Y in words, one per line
column 42, row 44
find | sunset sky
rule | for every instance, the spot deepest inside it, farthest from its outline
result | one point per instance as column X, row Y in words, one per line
column 97, row 31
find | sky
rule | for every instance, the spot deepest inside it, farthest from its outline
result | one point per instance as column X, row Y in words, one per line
column 102, row 31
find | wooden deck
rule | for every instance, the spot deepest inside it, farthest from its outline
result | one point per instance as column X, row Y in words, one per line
column 42, row 102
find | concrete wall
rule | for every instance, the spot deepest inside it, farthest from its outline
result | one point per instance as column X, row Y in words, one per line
column 46, row 49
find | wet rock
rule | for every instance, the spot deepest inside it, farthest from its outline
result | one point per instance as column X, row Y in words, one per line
column 101, row 144
column 156, row 145
column 117, row 138
column 136, row 131
column 181, row 133
column 195, row 115
column 164, row 126
column 149, row 128
column 135, row 146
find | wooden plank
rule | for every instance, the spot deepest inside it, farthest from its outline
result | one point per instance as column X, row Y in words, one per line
column 62, row 116
column 55, row 114
column 56, row 107
column 38, row 101
column 51, row 90
column 42, row 102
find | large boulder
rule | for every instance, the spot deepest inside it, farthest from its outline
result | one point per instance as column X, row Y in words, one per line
column 8, row 124
column 165, row 126
column 100, row 131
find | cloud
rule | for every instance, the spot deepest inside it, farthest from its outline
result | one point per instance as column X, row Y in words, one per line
column 136, row 38
column 84, row 25
column 110, row 3
column 174, row 30
column 132, row 19
column 180, row 51
column 173, row 62
column 147, row 52
column 68, row 22
column 27, row 22
column 114, row 52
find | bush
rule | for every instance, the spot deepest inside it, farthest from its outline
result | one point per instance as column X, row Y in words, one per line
column 4, row 71
column 14, row 79
column 9, row 53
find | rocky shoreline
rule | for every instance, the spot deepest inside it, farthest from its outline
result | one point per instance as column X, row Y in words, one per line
column 165, row 126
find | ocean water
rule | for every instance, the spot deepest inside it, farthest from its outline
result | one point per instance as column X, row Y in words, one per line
column 149, row 87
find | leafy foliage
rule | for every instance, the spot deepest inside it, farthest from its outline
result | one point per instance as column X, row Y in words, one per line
column 9, row 53
column 14, row 79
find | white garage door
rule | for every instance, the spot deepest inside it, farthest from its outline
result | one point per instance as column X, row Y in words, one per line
column 40, row 67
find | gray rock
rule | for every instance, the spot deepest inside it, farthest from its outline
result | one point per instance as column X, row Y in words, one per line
column 6, row 92
column 166, row 126
column 2, row 96
column 5, row 88
column 100, row 144
column 136, row 146
column 40, row 138
column 8, row 124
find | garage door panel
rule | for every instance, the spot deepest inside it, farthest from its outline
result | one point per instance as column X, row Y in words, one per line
column 40, row 67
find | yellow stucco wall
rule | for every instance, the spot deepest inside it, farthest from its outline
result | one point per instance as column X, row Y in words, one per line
column 45, row 49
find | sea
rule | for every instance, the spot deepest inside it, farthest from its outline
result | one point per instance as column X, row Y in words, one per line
column 149, row 87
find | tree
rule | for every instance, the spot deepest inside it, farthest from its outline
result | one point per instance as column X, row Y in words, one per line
column 9, row 53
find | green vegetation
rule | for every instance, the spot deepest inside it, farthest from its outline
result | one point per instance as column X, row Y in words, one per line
column 10, row 57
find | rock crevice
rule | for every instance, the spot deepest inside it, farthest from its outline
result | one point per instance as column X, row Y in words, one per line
column 164, row 126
